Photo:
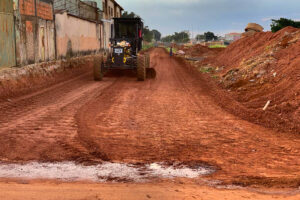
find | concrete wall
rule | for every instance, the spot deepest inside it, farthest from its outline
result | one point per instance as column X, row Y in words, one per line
column 7, row 41
column 82, row 9
column 75, row 36
column 35, row 34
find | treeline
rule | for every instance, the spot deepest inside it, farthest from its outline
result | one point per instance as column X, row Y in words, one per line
column 148, row 34
column 181, row 37
column 282, row 23
column 207, row 36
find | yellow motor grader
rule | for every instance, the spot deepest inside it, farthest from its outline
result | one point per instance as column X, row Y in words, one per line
column 126, row 45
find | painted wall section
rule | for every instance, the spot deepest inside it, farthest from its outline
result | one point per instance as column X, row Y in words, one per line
column 7, row 40
column 76, row 36
column 35, row 35
column 83, row 9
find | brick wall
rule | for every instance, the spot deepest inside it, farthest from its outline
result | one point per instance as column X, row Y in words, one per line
column 27, row 7
column 44, row 10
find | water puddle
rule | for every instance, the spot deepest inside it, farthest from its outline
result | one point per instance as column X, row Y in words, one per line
column 119, row 172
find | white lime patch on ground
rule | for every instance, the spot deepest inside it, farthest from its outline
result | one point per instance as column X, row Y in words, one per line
column 69, row 171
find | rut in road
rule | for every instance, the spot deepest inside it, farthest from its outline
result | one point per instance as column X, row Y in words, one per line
column 168, row 119
column 41, row 126
column 172, row 119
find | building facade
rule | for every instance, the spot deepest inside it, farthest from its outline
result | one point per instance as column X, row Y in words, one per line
column 7, row 35
column 78, row 27
column 233, row 36
column 111, row 9
column 35, row 31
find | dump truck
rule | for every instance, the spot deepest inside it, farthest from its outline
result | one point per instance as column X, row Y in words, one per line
column 126, row 44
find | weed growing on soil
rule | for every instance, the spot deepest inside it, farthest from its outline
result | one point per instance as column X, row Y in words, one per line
column 206, row 70
column 174, row 50
column 215, row 76
column 148, row 46
column 217, row 46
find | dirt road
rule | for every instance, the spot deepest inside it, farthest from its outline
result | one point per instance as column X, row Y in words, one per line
column 167, row 119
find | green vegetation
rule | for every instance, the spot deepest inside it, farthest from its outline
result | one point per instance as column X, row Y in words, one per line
column 207, row 36
column 215, row 76
column 126, row 14
column 206, row 70
column 149, row 35
column 174, row 49
column 217, row 46
column 267, row 48
column 282, row 23
column 200, row 37
column 182, row 37
column 148, row 46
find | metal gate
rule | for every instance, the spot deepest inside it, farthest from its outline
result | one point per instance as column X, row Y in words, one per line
column 7, row 38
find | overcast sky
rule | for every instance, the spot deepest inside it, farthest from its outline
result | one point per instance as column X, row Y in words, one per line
column 219, row 16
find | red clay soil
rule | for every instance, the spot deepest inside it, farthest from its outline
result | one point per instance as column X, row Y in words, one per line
column 22, row 85
column 31, row 190
column 172, row 118
column 200, row 50
column 261, row 68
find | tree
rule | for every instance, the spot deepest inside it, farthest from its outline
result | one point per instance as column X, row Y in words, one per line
column 156, row 35
column 209, row 36
column 282, row 23
column 129, row 15
column 181, row 37
column 148, row 35
column 168, row 38
column 200, row 37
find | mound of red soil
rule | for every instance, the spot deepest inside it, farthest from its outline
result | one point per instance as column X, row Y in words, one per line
column 261, row 68
column 199, row 50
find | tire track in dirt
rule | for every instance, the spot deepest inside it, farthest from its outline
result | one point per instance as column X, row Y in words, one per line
column 168, row 119
column 172, row 118
column 41, row 126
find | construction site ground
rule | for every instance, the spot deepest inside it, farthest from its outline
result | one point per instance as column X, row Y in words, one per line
column 172, row 119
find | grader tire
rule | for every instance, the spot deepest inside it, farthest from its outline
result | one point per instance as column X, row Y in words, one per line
column 98, row 73
column 141, row 68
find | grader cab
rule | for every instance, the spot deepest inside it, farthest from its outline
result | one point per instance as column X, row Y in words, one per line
column 126, row 45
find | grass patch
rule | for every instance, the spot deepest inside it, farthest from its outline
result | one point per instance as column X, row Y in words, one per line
column 217, row 46
column 174, row 49
column 206, row 70
column 147, row 46
column 215, row 76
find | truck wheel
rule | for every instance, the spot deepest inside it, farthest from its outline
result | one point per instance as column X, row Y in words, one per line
column 98, row 68
column 141, row 68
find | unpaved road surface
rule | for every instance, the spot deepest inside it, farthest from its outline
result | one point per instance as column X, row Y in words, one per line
column 167, row 119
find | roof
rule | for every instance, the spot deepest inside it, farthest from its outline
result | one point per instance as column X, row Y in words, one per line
column 116, row 3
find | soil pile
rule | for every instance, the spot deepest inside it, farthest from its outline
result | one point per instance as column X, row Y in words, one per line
column 261, row 68
column 199, row 50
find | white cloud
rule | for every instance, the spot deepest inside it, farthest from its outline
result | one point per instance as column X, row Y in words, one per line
column 267, row 19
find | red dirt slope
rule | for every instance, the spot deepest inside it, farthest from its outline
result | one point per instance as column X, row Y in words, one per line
column 199, row 50
column 261, row 68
